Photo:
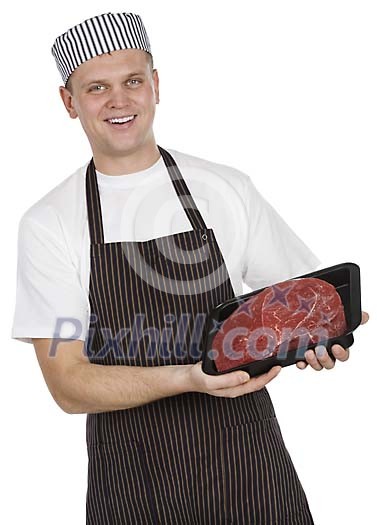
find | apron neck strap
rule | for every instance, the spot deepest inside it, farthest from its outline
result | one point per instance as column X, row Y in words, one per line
column 93, row 200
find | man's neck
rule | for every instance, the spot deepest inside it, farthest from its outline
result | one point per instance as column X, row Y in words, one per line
column 131, row 162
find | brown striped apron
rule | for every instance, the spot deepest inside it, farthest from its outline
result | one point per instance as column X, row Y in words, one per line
column 188, row 459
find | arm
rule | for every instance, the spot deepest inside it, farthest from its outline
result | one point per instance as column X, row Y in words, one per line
column 79, row 386
column 273, row 251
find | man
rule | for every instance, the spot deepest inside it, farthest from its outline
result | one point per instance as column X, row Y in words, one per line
column 116, row 314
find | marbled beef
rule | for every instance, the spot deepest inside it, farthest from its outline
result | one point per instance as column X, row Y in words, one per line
column 283, row 317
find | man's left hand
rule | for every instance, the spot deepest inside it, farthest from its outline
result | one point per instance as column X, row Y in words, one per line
column 319, row 357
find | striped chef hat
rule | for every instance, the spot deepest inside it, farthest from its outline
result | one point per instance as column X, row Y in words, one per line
column 96, row 36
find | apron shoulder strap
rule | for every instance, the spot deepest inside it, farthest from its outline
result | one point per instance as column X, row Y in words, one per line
column 93, row 204
column 184, row 195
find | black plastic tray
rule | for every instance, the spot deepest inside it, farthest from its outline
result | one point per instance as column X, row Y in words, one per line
column 346, row 279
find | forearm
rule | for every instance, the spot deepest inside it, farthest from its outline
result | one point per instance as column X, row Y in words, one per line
column 100, row 388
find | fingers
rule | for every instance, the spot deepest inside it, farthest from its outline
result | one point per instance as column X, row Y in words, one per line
column 262, row 380
column 251, row 385
column 222, row 382
column 340, row 353
column 364, row 317
column 319, row 358
column 312, row 360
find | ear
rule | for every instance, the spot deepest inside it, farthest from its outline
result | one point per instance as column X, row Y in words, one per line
column 156, row 83
column 67, row 101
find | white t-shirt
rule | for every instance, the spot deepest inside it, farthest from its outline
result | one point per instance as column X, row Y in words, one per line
column 53, row 265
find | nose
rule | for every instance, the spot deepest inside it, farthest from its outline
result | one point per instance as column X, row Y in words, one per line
column 119, row 97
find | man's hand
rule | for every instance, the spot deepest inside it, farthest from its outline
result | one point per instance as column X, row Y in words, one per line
column 320, row 358
column 232, row 384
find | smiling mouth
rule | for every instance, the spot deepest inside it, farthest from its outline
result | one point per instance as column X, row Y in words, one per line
column 121, row 121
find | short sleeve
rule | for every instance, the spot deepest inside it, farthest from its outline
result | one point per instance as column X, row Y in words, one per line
column 50, row 301
column 274, row 252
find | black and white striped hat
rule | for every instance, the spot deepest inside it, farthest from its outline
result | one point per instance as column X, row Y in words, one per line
column 96, row 36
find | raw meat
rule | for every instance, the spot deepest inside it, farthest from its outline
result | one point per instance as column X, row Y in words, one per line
column 283, row 317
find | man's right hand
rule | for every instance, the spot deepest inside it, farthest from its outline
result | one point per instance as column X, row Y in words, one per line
column 231, row 384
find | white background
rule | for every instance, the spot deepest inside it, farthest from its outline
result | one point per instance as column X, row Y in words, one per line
column 284, row 91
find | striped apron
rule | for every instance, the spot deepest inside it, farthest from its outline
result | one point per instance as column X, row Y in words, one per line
column 188, row 459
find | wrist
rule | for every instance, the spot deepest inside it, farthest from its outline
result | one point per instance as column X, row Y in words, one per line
column 181, row 378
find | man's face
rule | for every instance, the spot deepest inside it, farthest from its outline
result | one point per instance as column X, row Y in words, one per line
column 111, row 86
